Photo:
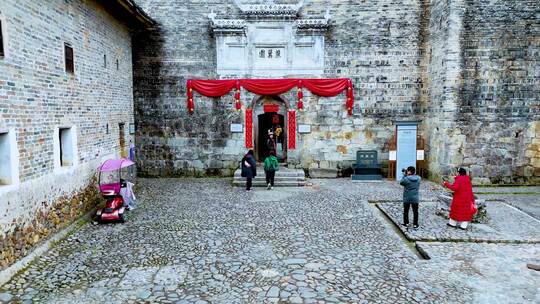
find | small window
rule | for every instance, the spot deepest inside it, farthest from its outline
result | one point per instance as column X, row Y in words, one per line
column 122, row 139
column 1, row 40
column 66, row 147
column 9, row 163
column 117, row 65
column 104, row 61
column 68, row 53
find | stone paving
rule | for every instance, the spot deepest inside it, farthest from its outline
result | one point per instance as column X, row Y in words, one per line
column 204, row 241
column 497, row 272
column 505, row 224
column 526, row 199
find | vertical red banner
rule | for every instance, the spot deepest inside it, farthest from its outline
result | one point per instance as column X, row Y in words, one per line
column 249, row 128
column 292, row 129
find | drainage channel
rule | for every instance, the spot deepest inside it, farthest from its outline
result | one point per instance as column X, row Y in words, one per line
column 411, row 245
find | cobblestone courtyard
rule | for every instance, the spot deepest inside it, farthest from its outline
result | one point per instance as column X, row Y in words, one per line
column 202, row 240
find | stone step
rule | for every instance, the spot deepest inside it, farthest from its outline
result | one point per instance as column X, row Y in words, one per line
column 242, row 183
column 276, row 179
column 280, row 173
column 285, row 177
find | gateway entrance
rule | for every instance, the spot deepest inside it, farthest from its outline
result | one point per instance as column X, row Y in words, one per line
column 271, row 122
column 270, row 116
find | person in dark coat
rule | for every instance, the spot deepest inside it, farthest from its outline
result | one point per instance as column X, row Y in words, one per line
column 270, row 143
column 249, row 168
column 411, row 197
column 462, row 208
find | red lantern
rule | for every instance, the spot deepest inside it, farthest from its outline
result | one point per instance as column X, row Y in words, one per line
column 350, row 99
column 190, row 104
column 300, row 96
column 237, row 104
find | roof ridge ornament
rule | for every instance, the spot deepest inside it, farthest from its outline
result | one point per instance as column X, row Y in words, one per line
column 270, row 9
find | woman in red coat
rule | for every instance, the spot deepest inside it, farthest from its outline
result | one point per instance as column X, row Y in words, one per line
column 462, row 208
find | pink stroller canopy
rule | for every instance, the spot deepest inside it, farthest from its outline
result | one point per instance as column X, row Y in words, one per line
column 115, row 164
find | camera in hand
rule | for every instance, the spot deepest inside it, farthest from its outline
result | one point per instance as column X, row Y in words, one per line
column 403, row 170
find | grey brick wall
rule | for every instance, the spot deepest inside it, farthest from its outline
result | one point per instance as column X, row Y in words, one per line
column 484, row 91
column 37, row 96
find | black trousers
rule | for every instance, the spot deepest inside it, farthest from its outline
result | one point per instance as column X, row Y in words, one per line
column 406, row 207
column 248, row 183
column 270, row 177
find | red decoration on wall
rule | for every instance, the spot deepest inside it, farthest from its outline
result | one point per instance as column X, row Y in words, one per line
column 350, row 98
column 190, row 103
column 237, row 104
column 292, row 129
column 325, row 87
column 300, row 96
column 268, row 108
column 275, row 119
column 249, row 128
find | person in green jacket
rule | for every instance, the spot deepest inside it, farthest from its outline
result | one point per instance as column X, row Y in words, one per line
column 270, row 168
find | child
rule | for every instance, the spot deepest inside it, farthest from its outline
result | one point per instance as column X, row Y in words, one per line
column 411, row 183
column 270, row 168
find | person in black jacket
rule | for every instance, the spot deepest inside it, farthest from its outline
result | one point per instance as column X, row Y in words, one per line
column 411, row 198
column 249, row 168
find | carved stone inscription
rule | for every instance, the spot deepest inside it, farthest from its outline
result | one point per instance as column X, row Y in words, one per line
column 269, row 45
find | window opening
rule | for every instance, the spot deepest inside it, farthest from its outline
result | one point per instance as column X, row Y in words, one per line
column 66, row 147
column 68, row 53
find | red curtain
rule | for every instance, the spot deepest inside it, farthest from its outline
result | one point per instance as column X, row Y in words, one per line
column 268, row 86
column 325, row 87
column 212, row 88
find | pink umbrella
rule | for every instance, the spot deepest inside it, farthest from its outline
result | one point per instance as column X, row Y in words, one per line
column 115, row 164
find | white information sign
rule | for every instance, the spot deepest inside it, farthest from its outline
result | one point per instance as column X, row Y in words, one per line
column 304, row 129
column 392, row 155
column 419, row 154
column 237, row 128
column 406, row 148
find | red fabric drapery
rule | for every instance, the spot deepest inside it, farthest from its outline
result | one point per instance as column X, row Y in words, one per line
column 292, row 129
column 325, row 87
column 249, row 128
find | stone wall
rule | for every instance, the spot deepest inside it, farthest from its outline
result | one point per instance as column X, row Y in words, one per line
column 37, row 97
column 465, row 69
column 373, row 42
column 491, row 97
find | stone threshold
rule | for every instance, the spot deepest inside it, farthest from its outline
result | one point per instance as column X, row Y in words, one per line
column 7, row 274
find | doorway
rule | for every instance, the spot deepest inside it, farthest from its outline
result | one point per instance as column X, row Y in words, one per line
column 270, row 113
column 274, row 123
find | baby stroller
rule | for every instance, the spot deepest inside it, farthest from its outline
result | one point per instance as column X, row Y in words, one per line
column 112, row 178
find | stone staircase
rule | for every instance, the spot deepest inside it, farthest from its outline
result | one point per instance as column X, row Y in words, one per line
column 285, row 177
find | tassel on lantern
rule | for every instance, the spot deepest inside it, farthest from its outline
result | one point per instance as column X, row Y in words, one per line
column 300, row 96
